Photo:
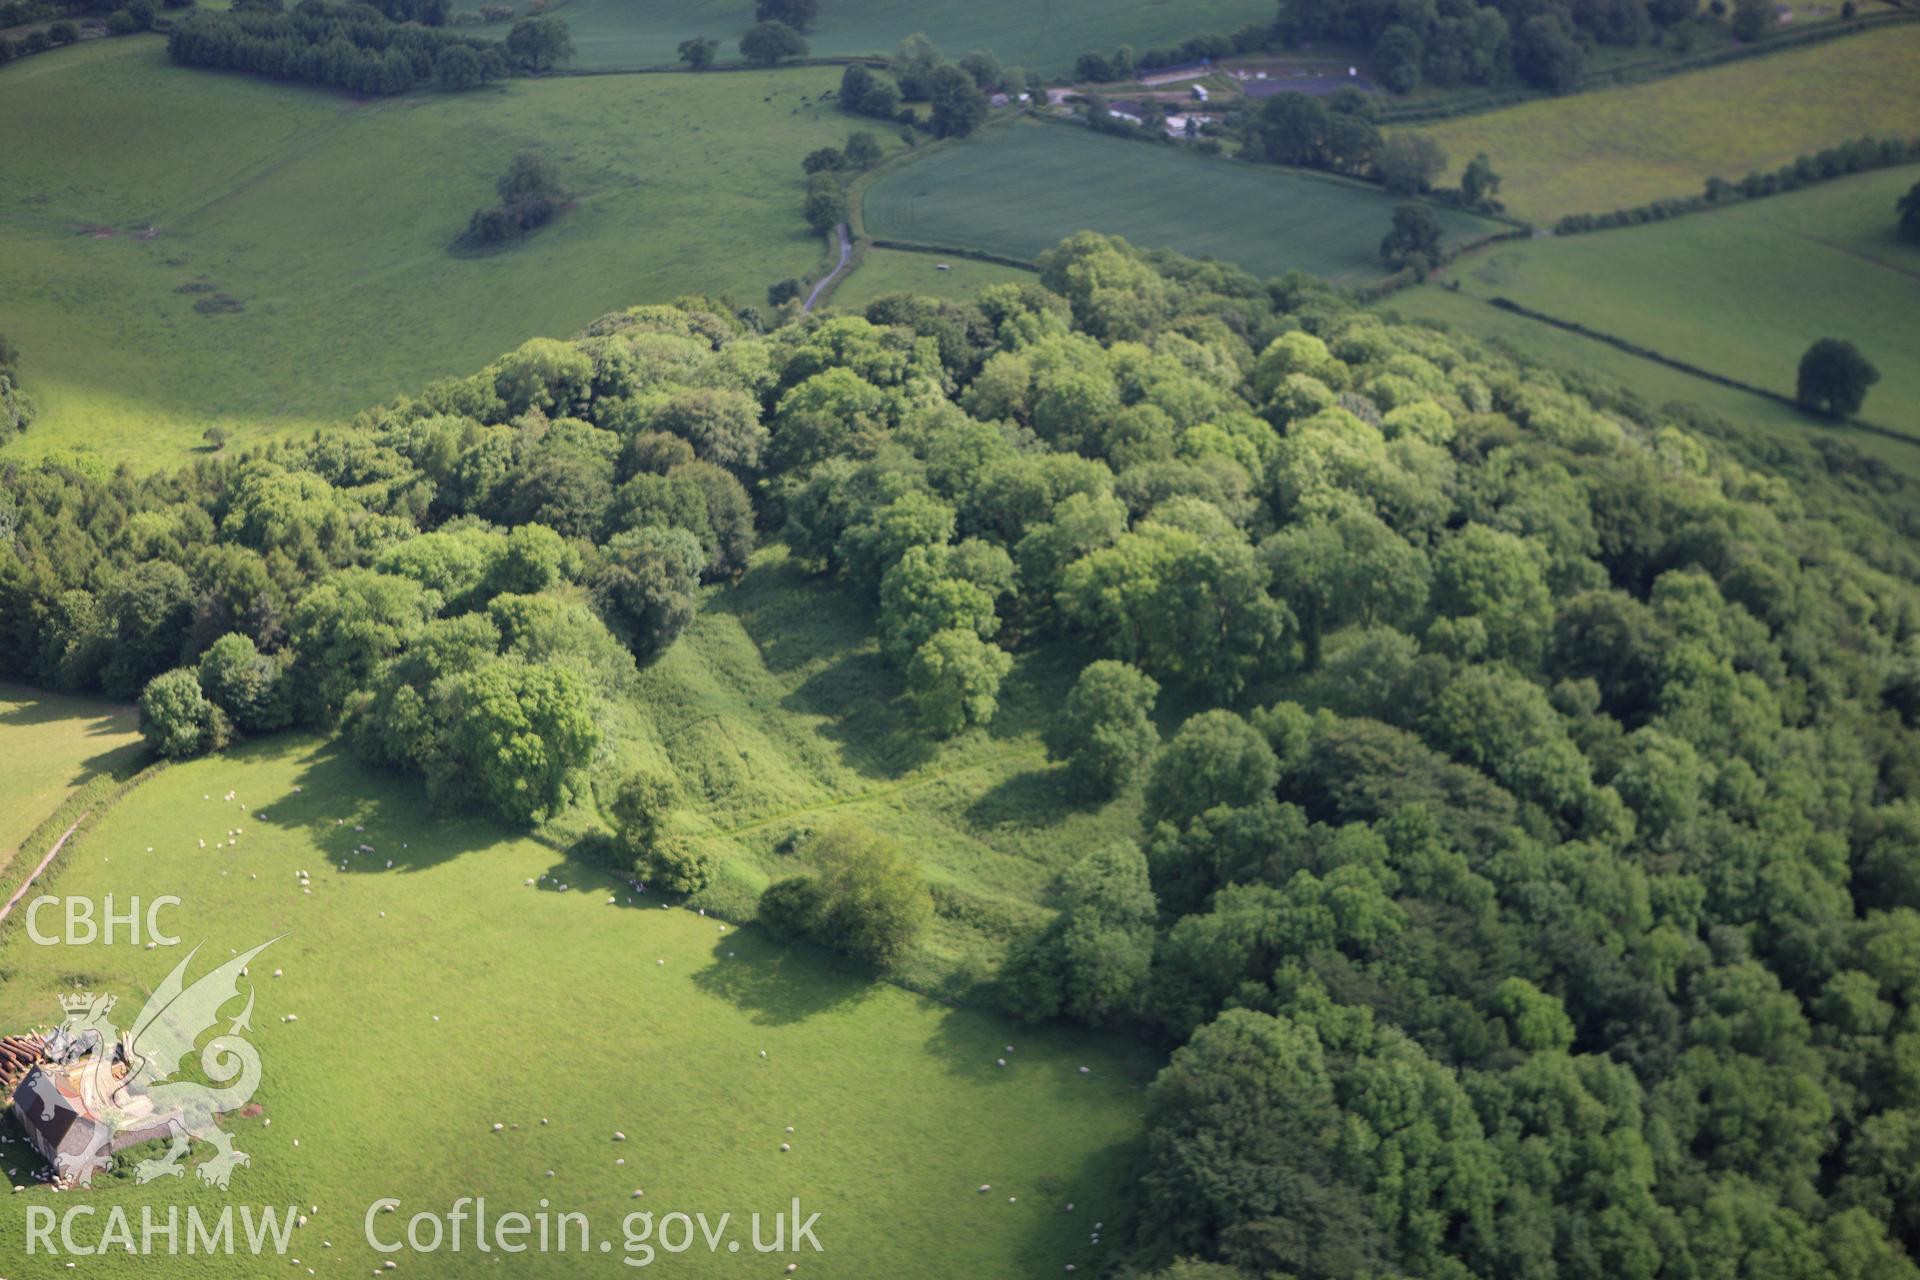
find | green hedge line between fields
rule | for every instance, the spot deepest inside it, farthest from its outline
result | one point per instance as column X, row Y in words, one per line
column 978, row 255
column 1859, row 155
column 80, row 811
column 1643, row 72
column 1648, row 353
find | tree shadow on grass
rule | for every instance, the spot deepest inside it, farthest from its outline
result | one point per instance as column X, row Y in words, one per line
column 343, row 804
column 779, row 983
column 858, row 698
column 972, row 1040
column 793, row 618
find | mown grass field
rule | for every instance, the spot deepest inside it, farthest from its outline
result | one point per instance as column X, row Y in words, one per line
column 443, row 995
column 49, row 745
column 330, row 218
column 1742, row 291
column 1020, row 189
column 884, row 271
column 1618, row 148
column 1043, row 38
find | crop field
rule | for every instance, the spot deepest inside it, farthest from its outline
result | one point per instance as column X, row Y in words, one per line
column 1617, row 148
column 408, row 988
column 1020, row 189
column 884, row 271
column 1742, row 291
column 148, row 193
column 50, row 744
column 1043, row 38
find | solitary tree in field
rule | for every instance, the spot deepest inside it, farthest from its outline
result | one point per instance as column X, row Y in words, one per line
column 1479, row 183
column 698, row 53
column 1415, row 232
column 1909, row 208
column 538, row 43
column 862, row 150
column 798, row 14
column 1834, row 378
column 768, row 43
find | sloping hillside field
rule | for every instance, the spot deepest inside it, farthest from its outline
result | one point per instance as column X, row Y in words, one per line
column 1742, row 291
column 1620, row 148
column 1019, row 190
column 405, row 1011
column 190, row 248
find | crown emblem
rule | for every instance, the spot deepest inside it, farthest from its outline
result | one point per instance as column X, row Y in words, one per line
column 82, row 1002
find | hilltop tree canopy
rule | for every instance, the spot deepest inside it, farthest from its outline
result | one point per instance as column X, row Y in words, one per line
column 1526, row 886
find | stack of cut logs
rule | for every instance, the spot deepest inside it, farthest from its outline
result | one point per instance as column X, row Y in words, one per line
column 18, row 1055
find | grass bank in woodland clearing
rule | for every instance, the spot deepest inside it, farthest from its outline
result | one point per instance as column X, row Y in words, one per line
column 441, row 996
column 775, row 713
column 1043, row 38
column 1741, row 291
column 49, row 745
column 1620, row 148
column 1020, row 189
column 328, row 219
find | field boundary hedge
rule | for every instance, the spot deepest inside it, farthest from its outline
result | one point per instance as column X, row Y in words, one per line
column 1857, row 155
column 949, row 251
column 1643, row 72
column 681, row 68
column 1648, row 353
column 1437, row 197
column 80, row 811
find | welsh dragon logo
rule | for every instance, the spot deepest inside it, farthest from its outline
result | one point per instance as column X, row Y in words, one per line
column 123, row 1083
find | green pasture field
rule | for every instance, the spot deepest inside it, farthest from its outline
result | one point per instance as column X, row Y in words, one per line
column 885, row 271
column 1654, row 383
column 1741, row 291
column 442, row 995
column 330, row 219
column 1619, row 148
column 1019, row 190
column 49, row 745
column 1043, row 38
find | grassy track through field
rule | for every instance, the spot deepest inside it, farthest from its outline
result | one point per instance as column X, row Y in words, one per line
column 1020, row 189
column 1620, row 148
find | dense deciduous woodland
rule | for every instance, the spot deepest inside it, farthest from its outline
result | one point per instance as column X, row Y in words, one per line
column 1528, row 887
